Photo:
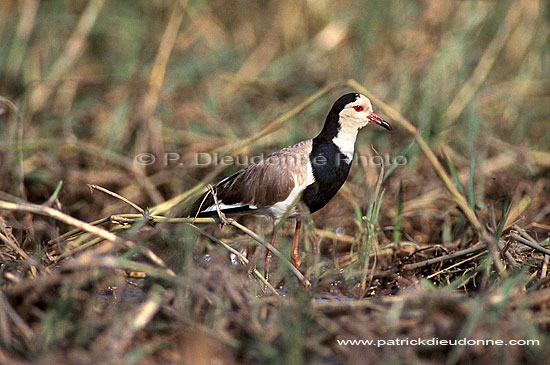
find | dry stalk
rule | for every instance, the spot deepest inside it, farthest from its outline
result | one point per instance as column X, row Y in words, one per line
column 248, row 232
column 119, row 197
column 104, row 234
column 241, row 257
column 443, row 258
column 534, row 246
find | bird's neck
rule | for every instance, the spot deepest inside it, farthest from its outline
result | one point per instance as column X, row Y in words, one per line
column 335, row 133
column 331, row 156
column 345, row 141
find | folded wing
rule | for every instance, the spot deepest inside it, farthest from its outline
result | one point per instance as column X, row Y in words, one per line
column 260, row 186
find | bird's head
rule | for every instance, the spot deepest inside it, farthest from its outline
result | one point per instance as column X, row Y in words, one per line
column 357, row 112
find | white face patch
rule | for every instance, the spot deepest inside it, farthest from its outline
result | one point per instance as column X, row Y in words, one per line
column 355, row 114
column 363, row 101
column 352, row 118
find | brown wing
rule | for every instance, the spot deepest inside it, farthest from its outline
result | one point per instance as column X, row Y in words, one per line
column 259, row 185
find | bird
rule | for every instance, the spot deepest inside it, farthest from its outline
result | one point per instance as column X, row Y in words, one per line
column 311, row 171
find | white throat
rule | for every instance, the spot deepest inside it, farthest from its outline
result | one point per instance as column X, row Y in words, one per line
column 345, row 141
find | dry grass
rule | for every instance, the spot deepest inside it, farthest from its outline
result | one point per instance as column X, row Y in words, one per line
column 97, row 267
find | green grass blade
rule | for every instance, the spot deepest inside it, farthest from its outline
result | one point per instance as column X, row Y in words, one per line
column 455, row 176
column 503, row 218
column 397, row 233
column 471, row 187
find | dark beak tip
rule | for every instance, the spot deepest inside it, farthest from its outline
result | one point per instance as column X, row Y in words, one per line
column 381, row 122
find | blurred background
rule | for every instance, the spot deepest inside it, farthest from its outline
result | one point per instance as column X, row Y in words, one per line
column 150, row 76
column 87, row 86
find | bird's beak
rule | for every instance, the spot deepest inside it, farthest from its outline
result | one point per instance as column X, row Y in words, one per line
column 377, row 120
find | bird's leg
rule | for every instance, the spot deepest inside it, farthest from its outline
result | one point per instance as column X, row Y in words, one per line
column 295, row 242
column 268, row 255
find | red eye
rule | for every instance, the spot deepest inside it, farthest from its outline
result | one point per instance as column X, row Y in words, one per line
column 358, row 108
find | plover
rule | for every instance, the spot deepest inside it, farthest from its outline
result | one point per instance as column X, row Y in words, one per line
column 312, row 171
